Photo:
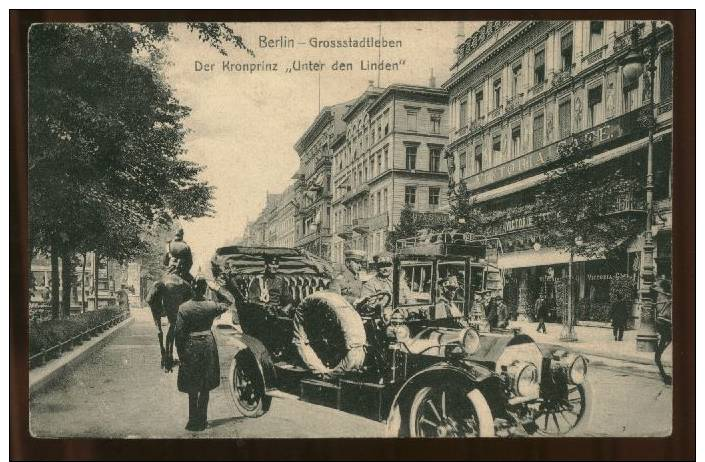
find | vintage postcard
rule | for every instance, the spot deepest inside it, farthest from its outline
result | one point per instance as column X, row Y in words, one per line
column 374, row 229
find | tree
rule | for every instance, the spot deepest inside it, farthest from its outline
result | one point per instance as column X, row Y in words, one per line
column 584, row 209
column 106, row 140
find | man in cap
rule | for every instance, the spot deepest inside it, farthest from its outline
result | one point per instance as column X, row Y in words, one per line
column 276, row 291
column 382, row 280
column 348, row 283
column 178, row 258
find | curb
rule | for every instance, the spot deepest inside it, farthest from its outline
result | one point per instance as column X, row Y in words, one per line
column 44, row 375
column 625, row 358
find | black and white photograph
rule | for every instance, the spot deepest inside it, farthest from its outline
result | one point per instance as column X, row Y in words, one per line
column 351, row 229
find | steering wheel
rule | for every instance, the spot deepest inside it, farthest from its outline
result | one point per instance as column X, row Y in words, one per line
column 373, row 304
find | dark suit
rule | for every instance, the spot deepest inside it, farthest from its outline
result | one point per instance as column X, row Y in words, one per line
column 199, row 370
column 620, row 314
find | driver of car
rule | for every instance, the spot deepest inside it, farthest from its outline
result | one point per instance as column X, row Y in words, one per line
column 275, row 286
column 348, row 283
column 382, row 282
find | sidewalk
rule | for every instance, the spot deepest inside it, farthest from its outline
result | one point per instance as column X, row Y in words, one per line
column 595, row 341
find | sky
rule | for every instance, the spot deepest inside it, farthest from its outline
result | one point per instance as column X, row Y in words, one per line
column 243, row 125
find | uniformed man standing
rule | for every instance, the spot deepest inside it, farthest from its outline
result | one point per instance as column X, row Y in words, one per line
column 348, row 283
column 178, row 258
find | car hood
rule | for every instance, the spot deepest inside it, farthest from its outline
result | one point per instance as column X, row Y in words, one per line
column 493, row 345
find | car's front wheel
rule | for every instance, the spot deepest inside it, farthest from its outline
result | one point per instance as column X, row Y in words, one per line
column 247, row 387
column 450, row 412
column 564, row 412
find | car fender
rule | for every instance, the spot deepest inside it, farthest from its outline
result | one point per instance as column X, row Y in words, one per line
column 245, row 344
column 476, row 375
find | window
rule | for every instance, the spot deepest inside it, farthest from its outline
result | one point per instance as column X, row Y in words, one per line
column 411, row 157
column 516, row 141
column 463, row 163
column 496, row 149
column 410, row 195
column 539, row 67
column 379, row 163
column 516, row 79
column 479, row 106
column 386, row 121
column 564, row 116
column 596, row 29
column 666, row 75
column 595, row 106
column 386, row 159
column 435, row 124
column 379, row 202
column 497, row 93
column 567, row 51
column 412, row 121
column 434, row 164
column 434, row 195
column 463, row 115
column 478, row 158
column 629, row 96
column 386, row 203
column 538, row 131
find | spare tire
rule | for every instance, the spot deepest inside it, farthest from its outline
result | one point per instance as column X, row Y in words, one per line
column 329, row 334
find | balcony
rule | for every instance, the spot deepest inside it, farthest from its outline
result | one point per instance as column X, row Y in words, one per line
column 538, row 88
column 515, row 102
column 312, row 236
column 493, row 114
column 345, row 231
column 362, row 189
column 562, row 77
column 378, row 221
column 361, row 225
column 628, row 203
column 476, row 125
column 595, row 56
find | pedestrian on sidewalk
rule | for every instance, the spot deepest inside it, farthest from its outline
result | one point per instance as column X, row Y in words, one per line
column 619, row 313
column 199, row 370
column 541, row 310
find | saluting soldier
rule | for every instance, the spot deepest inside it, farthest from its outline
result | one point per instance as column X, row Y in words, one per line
column 199, row 370
column 178, row 258
column 348, row 283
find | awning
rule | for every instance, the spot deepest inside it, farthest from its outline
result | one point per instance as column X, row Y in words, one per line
column 542, row 257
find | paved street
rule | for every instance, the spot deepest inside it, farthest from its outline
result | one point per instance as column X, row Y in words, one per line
column 120, row 392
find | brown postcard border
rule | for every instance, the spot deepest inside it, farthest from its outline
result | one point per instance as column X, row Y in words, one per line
column 680, row 445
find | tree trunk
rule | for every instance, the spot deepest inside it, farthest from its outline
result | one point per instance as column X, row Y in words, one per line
column 66, row 280
column 568, row 330
column 95, row 281
column 83, row 284
column 55, row 313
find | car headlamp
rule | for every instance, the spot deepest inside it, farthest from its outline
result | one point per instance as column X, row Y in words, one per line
column 471, row 341
column 524, row 377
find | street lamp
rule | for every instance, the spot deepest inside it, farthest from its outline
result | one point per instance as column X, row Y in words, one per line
column 632, row 68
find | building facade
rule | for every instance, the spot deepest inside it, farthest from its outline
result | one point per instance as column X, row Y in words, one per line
column 390, row 155
column 275, row 226
column 517, row 89
column 313, row 180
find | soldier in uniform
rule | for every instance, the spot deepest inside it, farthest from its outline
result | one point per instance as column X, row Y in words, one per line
column 278, row 295
column 199, row 370
column 348, row 283
column 178, row 258
column 382, row 282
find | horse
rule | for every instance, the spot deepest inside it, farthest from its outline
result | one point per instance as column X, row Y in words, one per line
column 164, row 299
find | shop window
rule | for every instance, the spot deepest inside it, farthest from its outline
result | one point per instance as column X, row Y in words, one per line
column 666, row 75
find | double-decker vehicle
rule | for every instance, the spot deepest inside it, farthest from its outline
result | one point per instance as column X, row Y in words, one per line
column 394, row 356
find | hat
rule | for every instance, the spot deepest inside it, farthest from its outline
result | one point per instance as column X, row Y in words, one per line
column 383, row 260
column 357, row 255
column 450, row 281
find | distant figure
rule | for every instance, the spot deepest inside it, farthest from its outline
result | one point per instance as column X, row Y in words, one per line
column 497, row 313
column 541, row 310
column 663, row 325
column 199, row 370
column 619, row 314
column 445, row 305
column 178, row 258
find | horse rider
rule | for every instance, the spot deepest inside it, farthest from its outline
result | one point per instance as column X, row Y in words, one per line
column 199, row 370
column 178, row 258
column 348, row 283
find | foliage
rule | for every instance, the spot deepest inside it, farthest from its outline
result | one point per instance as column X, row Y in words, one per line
column 622, row 288
column 576, row 208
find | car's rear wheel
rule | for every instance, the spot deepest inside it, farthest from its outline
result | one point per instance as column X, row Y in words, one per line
column 563, row 413
column 247, row 387
column 450, row 412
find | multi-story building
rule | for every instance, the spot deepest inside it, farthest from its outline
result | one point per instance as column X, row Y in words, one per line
column 390, row 155
column 313, row 180
column 520, row 87
column 275, row 226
